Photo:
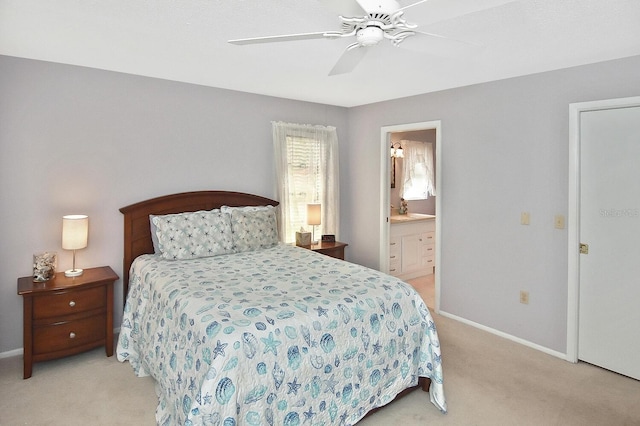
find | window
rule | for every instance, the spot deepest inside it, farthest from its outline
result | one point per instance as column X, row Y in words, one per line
column 417, row 177
column 307, row 172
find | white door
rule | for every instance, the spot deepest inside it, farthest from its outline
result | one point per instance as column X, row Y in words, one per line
column 609, row 280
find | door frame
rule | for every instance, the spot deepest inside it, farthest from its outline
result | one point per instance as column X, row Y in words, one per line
column 573, row 223
column 385, row 184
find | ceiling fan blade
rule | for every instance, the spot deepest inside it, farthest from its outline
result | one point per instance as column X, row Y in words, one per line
column 413, row 4
column 439, row 45
column 348, row 8
column 470, row 43
column 439, row 11
column 288, row 37
column 349, row 59
column 446, row 38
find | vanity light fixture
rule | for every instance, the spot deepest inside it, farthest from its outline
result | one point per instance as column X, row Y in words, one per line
column 75, row 232
column 396, row 150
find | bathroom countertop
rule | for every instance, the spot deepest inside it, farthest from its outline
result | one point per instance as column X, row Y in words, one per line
column 411, row 217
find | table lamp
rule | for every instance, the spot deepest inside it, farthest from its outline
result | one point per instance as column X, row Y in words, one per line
column 75, row 232
column 313, row 218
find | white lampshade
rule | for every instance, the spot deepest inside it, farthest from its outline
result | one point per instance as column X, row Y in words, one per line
column 313, row 214
column 75, row 231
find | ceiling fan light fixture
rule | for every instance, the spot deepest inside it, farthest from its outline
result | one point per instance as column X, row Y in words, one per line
column 370, row 21
column 369, row 36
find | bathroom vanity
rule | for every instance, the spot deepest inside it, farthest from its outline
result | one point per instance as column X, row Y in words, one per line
column 412, row 245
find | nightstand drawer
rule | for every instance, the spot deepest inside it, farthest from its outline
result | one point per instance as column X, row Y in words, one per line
column 330, row 248
column 66, row 335
column 68, row 302
column 338, row 253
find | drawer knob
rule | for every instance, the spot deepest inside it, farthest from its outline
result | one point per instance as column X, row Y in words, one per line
column 393, row 257
column 393, row 244
column 72, row 335
column 72, row 303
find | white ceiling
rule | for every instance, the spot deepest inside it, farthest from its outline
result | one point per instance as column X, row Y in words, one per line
column 186, row 40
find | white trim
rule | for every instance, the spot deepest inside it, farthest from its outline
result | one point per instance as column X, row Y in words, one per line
column 385, row 204
column 573, row 222
column 385, row 173
column 506, row 336
column 9, row 354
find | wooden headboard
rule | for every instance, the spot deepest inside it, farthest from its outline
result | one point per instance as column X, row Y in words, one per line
column 137, row 231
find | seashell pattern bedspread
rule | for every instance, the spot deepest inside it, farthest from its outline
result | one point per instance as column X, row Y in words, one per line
column 280, row 336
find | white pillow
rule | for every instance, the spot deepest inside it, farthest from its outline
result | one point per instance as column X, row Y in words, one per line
column 228, row 209
column 192, row 235
column 154, row 236
column 254, row 228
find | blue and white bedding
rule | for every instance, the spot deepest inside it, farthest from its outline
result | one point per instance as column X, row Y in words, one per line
column 278, row 336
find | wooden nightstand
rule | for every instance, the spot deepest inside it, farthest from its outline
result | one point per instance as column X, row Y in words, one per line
column 334, row 249
column 65, row 316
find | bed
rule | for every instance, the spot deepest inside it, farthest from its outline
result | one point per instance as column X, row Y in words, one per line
column 258, row 332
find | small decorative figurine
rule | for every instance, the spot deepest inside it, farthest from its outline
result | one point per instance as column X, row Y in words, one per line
column 44, row 266
column 404, row 206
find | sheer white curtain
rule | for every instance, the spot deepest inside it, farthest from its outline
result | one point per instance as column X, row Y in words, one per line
column 417, row 170
column 306, row 159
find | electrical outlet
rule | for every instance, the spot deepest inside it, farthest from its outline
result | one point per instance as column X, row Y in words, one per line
column 524, row 297
column 558, row 221
column 524, row 218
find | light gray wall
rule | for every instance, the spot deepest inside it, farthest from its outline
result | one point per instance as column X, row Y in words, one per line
column 504, row 150
column 79, row 140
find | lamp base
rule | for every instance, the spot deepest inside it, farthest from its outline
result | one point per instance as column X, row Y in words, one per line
column 73, row 272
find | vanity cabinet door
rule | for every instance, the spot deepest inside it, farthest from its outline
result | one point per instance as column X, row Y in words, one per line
column 411, row 253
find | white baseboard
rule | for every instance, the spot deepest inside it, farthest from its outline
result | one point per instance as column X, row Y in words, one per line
column 506, row 336
column 20, row 351
column 9, row 354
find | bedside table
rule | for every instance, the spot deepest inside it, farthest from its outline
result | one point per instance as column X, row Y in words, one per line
column 67, row 315
column 333, row 249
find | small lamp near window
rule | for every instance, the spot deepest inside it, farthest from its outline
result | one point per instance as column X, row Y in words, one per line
column 396, row 150
column 75, row 232
column 313, row 218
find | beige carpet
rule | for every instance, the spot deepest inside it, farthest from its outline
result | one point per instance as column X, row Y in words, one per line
column 488, row 381
column 426, row 286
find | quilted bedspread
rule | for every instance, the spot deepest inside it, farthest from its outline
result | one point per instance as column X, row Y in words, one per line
column 281, row 336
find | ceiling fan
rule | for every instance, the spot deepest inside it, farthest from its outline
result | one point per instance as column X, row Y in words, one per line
column 370, row 21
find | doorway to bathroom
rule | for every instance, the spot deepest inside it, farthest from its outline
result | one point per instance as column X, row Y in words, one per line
column 415, row 245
